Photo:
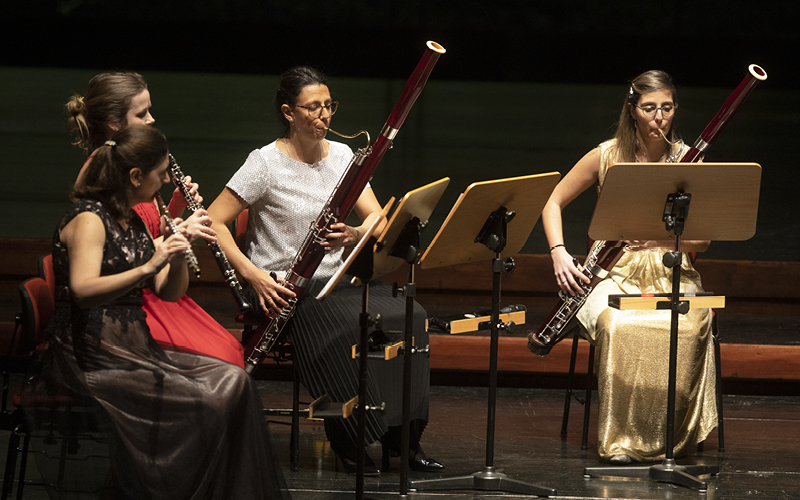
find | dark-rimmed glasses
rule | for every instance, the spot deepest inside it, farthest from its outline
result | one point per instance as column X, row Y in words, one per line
column 315, row 110
column 650, row 110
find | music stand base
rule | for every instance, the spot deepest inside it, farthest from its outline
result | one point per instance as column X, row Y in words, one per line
column 665, row 472
column 487, row 480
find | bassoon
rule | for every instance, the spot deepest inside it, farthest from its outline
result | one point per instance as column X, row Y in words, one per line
column 337, row 208
column 603, row 255
column 228, row 273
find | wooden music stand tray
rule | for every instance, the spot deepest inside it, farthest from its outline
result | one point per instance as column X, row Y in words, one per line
column 418, row 204
column 454, row 243
column 724, row 201
column 489, row 220
column 647, row 201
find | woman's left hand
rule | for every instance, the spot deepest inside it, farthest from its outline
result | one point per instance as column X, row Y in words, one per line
column 198, row 225
column 194, row 190
column 341, row 235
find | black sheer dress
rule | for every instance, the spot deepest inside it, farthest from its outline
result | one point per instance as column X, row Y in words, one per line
column 182, row 425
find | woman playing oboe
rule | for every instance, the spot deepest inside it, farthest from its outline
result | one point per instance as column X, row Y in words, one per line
column 286, row 183
column 633, row 346
column 111, row 102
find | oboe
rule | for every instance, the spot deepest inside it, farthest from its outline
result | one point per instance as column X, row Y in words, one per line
column 191, row 258
column 225, row 266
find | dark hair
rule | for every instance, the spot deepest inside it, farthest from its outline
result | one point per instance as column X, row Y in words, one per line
column 293, row 81
column 650, row 81
column 107, row 178
column 108, row 98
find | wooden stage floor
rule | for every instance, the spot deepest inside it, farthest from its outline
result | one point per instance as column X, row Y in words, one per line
column 762, row 440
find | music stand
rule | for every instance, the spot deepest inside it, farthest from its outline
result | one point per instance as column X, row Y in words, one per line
column 398, row 244
column 490, row 220
column 643, row 201
column 360, row 259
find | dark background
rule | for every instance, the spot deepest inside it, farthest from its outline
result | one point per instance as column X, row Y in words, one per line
column 519, row 40
column 530, row 84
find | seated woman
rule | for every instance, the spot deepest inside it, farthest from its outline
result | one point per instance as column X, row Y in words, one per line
column 633, row 346
column 183, row 426
column 112, row 101
column 286, row 184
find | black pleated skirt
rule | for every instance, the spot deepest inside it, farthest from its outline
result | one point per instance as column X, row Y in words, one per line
column 323, row 333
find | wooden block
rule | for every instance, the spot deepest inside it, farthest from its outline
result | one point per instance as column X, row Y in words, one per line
column 463, row 324
column 651, row 302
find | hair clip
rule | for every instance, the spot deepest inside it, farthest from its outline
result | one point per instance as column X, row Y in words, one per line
column 110, row 143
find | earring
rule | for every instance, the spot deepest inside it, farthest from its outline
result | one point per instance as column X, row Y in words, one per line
column 138, row 184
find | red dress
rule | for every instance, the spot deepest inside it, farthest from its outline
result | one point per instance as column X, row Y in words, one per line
column 184, row 326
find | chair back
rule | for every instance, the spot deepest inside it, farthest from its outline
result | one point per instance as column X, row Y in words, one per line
column 46, row 272
column 38, row 307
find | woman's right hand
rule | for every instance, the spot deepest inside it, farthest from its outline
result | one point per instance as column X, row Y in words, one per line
column 271, row 295
column 569, row 275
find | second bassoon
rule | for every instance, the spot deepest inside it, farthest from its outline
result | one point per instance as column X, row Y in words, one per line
column 603, row 255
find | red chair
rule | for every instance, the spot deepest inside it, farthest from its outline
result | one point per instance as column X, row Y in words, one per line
column 37, row 310
column 46, row 272
column 61, row 420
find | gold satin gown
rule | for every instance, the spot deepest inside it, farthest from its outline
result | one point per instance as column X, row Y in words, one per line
column 632, row 358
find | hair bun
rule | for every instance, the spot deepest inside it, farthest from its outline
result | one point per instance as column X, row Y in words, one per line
column 76, row 105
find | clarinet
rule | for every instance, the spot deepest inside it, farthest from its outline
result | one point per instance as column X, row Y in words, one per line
column 191, row 258
column 337, row 208
column 228, row 273
column 605, row 254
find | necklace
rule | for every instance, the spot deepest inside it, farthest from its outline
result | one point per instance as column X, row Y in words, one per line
column 639, row 160
column 286, row 145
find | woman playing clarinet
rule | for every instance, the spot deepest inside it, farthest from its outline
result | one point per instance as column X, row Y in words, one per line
column 285, row 184
column 179, row 425
column 633, row 346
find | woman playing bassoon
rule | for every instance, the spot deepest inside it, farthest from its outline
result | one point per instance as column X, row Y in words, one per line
column 285, row 184
column 633, row 346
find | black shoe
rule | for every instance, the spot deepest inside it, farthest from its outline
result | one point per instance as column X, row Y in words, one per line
column 425, row 464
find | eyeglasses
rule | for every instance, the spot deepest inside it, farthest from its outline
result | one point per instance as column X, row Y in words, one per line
column 650, row 110
column 315, row 110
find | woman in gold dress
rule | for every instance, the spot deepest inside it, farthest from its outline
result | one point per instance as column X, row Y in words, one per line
column 633, row 346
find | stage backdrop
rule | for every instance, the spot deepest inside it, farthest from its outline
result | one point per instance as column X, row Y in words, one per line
column 466, row 130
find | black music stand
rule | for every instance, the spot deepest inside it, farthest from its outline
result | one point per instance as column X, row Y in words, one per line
column 490, row 220
column 650, row 201
column 399, row 244
column 360, row 263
